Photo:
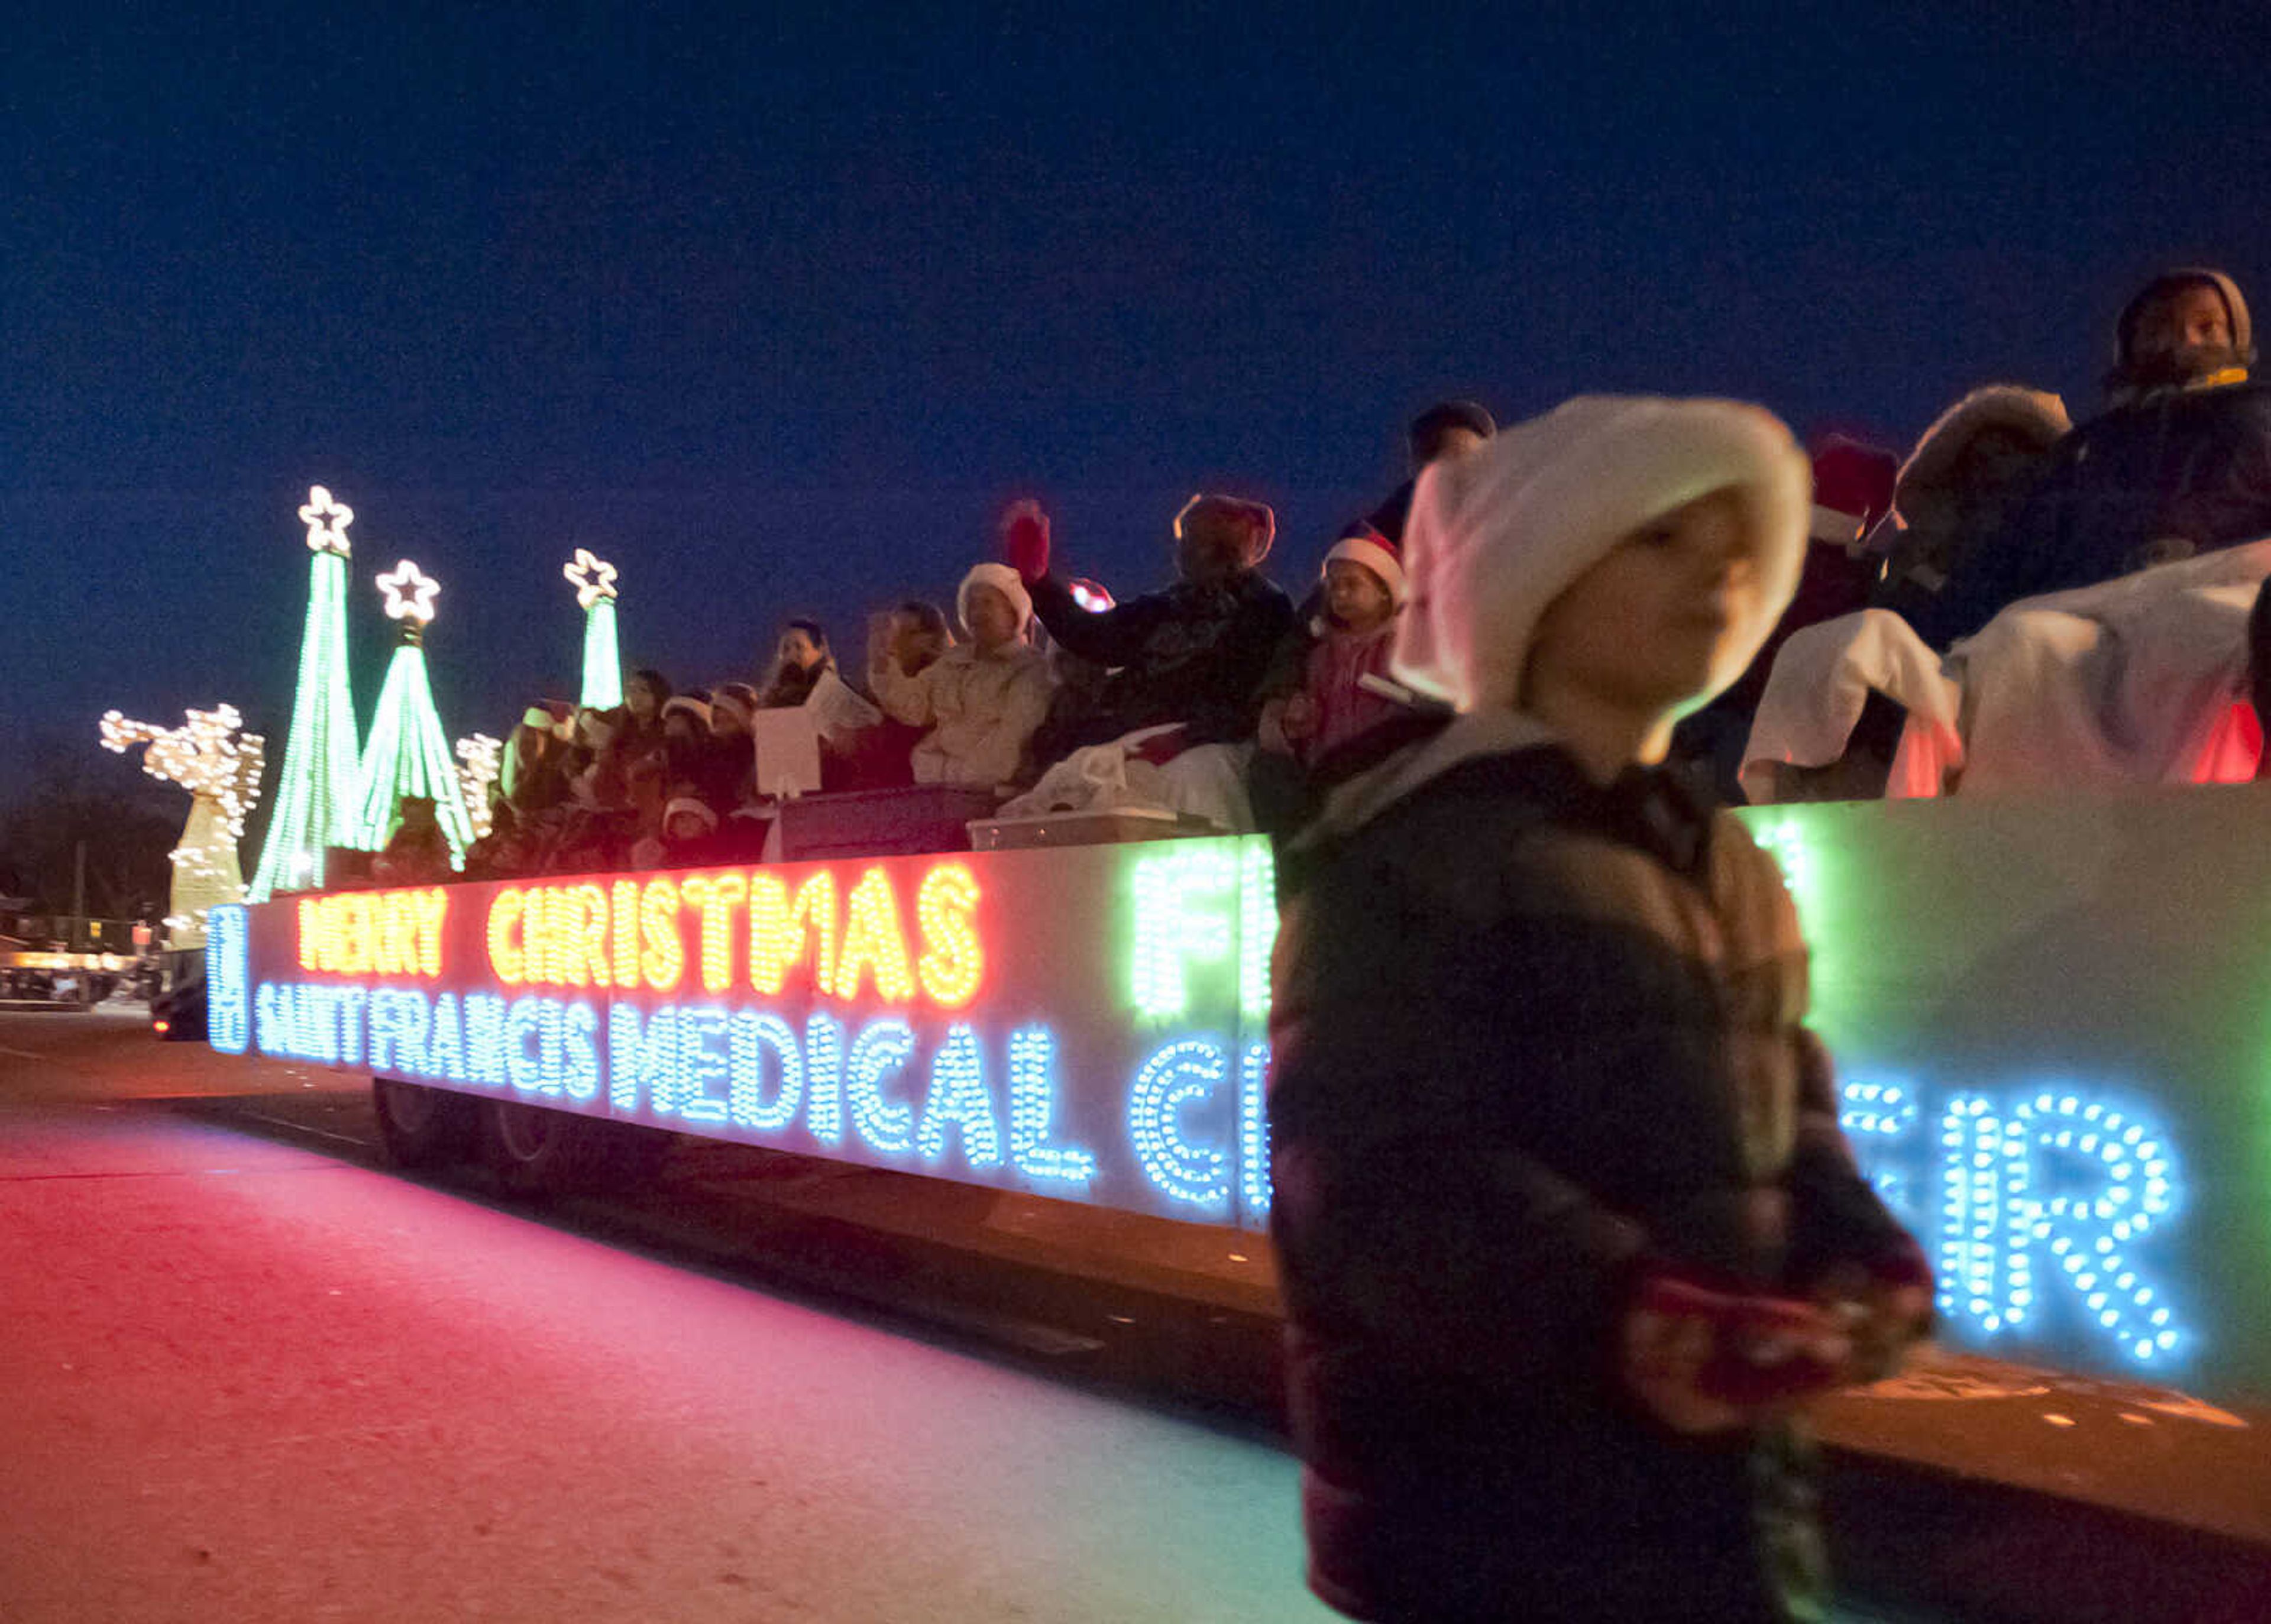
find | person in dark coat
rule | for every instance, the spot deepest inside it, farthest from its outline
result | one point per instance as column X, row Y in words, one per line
column 1964, row 482
column 1447, row 429
column 1568, row 1233
column 2179, row 464
column 1194, row 653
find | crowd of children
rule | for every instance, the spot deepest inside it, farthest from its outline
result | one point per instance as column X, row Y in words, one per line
column 2000, row 500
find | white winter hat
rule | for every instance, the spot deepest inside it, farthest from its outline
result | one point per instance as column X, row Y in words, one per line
column 1003, row 579
column 1496, row 536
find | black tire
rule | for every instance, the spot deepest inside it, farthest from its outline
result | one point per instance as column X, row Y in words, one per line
column 537, row 1152
column 423, row 1127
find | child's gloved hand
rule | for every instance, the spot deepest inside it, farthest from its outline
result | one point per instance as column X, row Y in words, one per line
column 1885, row 1303
column 1025, row 540
column 1702, row 1360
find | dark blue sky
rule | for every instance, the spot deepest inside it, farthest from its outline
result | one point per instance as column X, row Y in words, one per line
column 774, row 313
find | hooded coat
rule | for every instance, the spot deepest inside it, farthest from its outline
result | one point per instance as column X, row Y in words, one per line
column 1531, row 1035
column 2167, row 473
column 1929, row 541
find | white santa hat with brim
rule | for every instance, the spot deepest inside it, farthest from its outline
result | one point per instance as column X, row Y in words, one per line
column 1377, row 554
column 1497, row 536
column 547, row 719
column 698, row 709
column 1003, row 579
column 725, row 701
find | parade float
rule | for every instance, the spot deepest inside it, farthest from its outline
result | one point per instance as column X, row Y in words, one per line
column 2049, row 1017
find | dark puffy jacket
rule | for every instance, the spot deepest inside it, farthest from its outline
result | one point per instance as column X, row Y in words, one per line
column 2191, row 466
column 1191, row 653
column 1529, row 1033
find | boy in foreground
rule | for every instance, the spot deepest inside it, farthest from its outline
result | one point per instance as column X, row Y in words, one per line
column 1568, row 1230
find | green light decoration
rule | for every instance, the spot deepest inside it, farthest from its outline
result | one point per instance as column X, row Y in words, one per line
column 408, row 753
column 594, row 580
column 316, row 791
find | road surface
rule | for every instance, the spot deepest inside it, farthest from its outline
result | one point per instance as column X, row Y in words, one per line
column 250, row 1374
column 247, row 1380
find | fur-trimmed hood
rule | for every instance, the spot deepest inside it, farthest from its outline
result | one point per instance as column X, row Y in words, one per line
column 1923, row 498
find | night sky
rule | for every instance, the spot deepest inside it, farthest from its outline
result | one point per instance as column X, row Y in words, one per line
column 776, row 313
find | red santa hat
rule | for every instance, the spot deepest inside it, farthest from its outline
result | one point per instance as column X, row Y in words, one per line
column 1376, row 553
column 1852, row 488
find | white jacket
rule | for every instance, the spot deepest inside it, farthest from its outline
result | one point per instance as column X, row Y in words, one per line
column 980, row 709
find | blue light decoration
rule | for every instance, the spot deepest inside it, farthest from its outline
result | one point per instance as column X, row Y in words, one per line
column 957, row 1100
column 880, row 1053
column 1178, row 1074
column 823, row 1070
column 1032, row 1104
column 2058, row 1179
column 229, row 1021
column 705, row 1066
column 1254, row 1127
column 755, row 1034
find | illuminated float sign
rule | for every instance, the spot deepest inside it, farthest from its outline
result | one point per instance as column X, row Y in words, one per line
column 2052, row 1022
column 1084, row 1023
column 2053, row 1025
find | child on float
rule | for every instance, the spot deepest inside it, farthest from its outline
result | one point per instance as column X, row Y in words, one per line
column 981, row 699
column 1567, row 1232
column 1325, row 687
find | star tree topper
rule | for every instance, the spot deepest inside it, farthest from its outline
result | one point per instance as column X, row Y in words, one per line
column 327, row 522
column 409, row 593
column 593, row 577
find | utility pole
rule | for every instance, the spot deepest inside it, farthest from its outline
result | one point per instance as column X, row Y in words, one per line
column 78, row 898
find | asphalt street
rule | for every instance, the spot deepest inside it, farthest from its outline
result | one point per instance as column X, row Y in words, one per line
column 255, row 1378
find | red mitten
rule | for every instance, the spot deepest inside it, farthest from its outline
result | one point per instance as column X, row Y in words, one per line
column 1164, row 745
column 1025, row 540
column 1904, row 1265
column 1891, row 1310
column 1729, row 1348
column 1774, row 1350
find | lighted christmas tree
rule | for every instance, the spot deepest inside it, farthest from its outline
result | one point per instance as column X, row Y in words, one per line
column 594, row 580
column 408, row 753
column 220, row 769
column 315, row 792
